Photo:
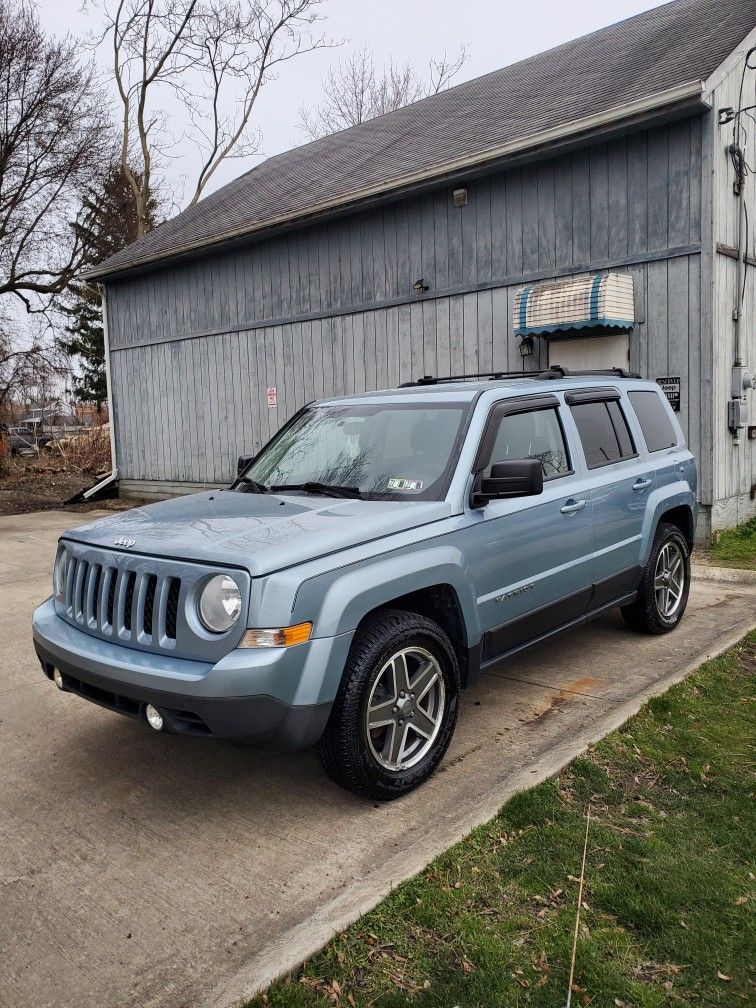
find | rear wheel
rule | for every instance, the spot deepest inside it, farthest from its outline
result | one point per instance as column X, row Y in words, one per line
column 396, row 709
column 663, row 591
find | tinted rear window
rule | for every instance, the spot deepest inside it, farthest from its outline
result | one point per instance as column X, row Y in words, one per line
column 603, row 432
column 654, row 420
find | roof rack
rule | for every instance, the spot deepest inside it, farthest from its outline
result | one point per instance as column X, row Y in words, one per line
column 491, row 375
column 555, row 371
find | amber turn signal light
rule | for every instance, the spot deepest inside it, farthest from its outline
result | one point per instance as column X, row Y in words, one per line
column 283, row 637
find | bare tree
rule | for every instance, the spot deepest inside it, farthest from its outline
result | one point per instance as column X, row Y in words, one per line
column 26, row 365
column 51, row 132
column 212, row 57
column 357, row 90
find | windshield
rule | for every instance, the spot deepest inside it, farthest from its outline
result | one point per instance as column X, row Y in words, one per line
column 382, row 452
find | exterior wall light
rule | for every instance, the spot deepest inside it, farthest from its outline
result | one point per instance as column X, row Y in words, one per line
column 420, row 285
column 459, row 197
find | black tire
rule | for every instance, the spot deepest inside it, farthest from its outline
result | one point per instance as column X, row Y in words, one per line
column 645, row 615
column 345, row 749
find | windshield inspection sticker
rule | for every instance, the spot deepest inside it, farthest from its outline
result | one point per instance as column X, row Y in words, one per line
column 404, row 484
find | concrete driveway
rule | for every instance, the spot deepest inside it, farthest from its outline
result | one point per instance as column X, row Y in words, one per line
column 150, row 870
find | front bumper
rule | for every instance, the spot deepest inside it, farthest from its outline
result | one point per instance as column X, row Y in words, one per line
column 284, row 694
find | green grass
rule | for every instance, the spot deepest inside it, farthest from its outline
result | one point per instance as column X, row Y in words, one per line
column 668, row 900
column 737, row 547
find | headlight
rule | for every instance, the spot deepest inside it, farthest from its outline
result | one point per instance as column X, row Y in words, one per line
column 60, row 576
column 220, row 603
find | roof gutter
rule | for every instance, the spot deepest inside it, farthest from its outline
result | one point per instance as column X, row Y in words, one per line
column 639, row 108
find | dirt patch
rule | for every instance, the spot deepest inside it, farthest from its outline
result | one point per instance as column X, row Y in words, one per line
column 28, row 484
column 580, row 685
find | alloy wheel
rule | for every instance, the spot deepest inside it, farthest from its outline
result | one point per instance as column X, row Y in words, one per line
column 669, row 579
column 405, row 708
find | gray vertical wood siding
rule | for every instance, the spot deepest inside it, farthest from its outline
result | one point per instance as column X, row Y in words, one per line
column 195, row 405
column 733, row 472
column 329, row 309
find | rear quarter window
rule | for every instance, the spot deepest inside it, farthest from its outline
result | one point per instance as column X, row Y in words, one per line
column 653, row 418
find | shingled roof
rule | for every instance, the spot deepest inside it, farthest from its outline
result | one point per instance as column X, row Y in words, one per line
column 651, row 54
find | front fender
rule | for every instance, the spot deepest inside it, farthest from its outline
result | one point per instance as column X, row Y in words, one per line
column 336, row 601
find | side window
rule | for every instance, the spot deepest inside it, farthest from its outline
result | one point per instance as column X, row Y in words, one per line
column 655, row 423
column 535, row 434
column 603, row 432
column 627, row 448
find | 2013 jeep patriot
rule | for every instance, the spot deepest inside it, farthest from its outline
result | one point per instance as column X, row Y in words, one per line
column 379, row 554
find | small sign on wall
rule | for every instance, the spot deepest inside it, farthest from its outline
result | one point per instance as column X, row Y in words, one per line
column 272, row 397
column 671, row 389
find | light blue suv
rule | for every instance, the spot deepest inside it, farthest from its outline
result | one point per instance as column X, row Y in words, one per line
column 379, row 554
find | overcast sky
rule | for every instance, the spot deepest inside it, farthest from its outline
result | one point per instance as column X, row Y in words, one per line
column 496, row 33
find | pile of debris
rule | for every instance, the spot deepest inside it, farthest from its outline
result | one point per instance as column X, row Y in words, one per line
column 58, row 475
column 87, row 453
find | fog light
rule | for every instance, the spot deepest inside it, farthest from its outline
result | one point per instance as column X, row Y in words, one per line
column 154, row 717
column 58, row 678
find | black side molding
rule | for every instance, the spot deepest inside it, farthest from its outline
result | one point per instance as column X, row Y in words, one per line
column 574, row 610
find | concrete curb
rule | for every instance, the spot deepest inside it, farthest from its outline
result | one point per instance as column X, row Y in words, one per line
column 723, row 575
column 307, row 938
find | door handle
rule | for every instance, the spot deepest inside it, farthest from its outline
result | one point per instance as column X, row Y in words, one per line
column 572, row 506
column 641, row 484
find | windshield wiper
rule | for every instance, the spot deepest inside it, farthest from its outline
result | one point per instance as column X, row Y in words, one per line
column 324, row 488
column 253, row 485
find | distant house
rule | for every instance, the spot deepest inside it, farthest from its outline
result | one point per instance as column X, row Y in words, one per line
column 429, row 241
column 54, row 414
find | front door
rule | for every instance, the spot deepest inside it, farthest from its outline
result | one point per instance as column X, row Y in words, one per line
column 530, row 556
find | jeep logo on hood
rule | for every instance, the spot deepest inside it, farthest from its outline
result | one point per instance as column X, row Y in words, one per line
column 125, row 542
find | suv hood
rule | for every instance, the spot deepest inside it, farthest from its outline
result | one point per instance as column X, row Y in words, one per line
column 261, row 532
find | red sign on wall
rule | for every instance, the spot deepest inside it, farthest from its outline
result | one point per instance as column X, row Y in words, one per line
column 272, row 397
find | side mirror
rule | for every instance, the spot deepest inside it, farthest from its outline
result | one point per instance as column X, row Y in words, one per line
column 514, row 478
column 242, row 462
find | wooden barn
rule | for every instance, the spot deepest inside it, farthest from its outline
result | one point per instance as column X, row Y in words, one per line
column 588, row 206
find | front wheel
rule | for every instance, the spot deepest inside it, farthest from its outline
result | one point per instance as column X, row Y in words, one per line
column 396, row 709
column 664, row 587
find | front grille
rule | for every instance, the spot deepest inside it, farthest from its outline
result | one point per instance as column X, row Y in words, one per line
column 149, row 603
column 129, row 605
column 96, row 601
column 111, row 597
column 142, row 601
column 171, row 611
column 129, row 602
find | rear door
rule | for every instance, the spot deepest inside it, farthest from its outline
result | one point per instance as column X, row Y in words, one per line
column 664, row 439
column 530, row 557
column 619, row 480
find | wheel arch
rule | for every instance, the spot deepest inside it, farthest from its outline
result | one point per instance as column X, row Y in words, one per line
column 431, row 582
column 440, row 603
column 681, row 516
column 675, row 505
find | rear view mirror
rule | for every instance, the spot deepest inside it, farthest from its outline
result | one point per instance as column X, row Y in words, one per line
column 242, row 462
column 513, row 478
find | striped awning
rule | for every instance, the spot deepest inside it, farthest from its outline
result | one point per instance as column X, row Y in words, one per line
column 595, row 301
